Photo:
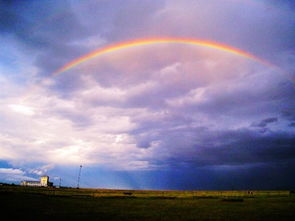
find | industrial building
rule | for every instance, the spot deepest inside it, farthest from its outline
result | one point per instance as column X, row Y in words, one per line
column 44, row 182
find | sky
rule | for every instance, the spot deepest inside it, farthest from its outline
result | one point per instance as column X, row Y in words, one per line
column 156, row 116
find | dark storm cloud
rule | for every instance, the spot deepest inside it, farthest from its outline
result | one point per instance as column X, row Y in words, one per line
column 44, row 29
column 216, row 148
column 289, row 113
column 257, row 176
column 265, row 122
column 252, row 148
column 286, row 3
column 19, row 19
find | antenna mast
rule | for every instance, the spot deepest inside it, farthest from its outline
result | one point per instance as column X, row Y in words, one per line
column 79, row 176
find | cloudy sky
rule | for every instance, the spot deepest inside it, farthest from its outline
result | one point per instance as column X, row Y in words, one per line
column 156, row 116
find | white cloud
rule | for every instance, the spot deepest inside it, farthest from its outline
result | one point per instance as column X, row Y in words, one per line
column 41, row 171
column 195, row 96
column 22, row 109
column 11, row 171
column 13, row 175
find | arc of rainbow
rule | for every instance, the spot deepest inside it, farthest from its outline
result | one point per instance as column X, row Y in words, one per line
column 141, row 42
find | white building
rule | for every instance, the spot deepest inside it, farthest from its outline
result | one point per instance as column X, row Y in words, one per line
column 44, row 182
column 30, row 183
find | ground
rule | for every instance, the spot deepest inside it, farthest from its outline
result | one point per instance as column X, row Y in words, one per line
column 45, row 204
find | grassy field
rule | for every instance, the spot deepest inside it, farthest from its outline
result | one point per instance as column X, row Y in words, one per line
column 77, row 204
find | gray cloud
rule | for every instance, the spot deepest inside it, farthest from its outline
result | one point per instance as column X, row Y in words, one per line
column 265, row 122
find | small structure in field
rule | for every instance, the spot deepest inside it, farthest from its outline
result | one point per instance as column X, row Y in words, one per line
column 44, row 182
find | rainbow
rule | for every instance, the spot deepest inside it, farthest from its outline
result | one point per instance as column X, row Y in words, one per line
column 141, row 42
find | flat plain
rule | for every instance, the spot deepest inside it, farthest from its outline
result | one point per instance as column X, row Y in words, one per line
column 102, row 204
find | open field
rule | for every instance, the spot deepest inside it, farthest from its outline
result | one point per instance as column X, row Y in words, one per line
column 77, row 204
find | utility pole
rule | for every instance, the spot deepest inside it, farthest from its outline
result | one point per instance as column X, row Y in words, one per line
column 59, row 182
column 79, row 176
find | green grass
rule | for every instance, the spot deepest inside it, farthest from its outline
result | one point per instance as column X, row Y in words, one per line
column 73, row 204
column 110, row 193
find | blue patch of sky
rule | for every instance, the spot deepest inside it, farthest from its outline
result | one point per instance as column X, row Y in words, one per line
column 4, row 164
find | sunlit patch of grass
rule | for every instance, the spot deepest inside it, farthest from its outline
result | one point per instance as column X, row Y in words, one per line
column 73, row 192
